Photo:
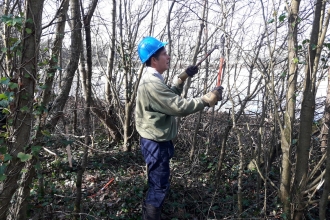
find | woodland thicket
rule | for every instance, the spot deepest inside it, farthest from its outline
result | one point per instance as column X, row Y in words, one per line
column 69, row 72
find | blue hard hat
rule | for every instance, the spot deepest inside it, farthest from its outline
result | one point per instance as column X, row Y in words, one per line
column 148, row 46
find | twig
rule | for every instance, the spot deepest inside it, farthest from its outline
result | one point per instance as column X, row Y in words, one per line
column 262, row 177
column 49, row 151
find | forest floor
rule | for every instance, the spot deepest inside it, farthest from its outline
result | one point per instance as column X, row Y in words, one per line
column 193, row 195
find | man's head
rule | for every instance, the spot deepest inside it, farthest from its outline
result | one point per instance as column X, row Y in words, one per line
column 153, row 53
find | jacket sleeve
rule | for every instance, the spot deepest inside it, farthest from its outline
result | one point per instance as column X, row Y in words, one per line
column 164, row 99
column 177, row 88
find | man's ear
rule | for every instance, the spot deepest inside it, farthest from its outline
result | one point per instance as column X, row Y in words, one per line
column 153, row 59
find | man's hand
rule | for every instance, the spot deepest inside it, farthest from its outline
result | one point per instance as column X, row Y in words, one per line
column 191, row 70
column 210, row 99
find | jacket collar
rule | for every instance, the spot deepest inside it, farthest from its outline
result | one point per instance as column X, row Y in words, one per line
column 154, row 72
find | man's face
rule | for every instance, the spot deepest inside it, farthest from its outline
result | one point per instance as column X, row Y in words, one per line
column 162, row 63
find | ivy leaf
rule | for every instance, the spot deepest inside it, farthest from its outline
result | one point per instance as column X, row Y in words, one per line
column 43, row 87
column 314, row 47
column 67, row 142
column 3, row 96
column 28, row 30
column 35, row 149
column 24, row 157
column 17, row 20
column 29, row 21
column 3, row 150
column 294, row 141
column 37, row 166
column 13, row 85
column 327, row 45
column 7, row 157
column 2, row 172
column 282, row 17
column 2, row 177
column 25, row 109
column 271, row 21
column 295, row 60
column 305, row 41
column 4, row 80
column 45, row 133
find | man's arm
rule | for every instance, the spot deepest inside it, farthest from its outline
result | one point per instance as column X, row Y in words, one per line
column 177, row 87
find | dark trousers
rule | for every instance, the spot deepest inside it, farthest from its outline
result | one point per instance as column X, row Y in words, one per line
column 157, row 155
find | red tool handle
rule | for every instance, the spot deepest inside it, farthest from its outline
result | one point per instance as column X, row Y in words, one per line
column 222, row 61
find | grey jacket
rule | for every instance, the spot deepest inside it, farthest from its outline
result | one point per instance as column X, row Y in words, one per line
column 157, row 105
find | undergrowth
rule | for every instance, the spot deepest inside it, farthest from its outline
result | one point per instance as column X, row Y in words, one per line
column 195, row 191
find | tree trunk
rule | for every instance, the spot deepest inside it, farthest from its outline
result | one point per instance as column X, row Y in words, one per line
column 196, row 51
column 308, row 108
column 111, row 56
column 75, row 111
column 111, row 83
column 127, row 126
column 23, row 103
column 24, row 192
column 87, row 81
column 199, row 117
column 286, row 132
column 169, row 37
column 194, row 142
column 326, row 188
column 6, row 38
column 56, row 51
column 240, row 173
column 58, row 105
column 21, row 207
column 224, row 139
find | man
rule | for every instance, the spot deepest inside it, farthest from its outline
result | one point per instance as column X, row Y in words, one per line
column 156, row 108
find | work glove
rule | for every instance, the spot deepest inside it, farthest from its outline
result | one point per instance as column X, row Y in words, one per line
column 190, row 71
column 210, row 99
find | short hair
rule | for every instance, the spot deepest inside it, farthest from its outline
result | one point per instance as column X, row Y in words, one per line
column 156, row 55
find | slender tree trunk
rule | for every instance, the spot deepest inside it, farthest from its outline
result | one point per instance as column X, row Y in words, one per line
column 169, row 37
column 55, row 55
column 199, row 117
column 24, row 192
column 308, row 108
column 240, row 173
column 196, row 50
column 224, row 139
column 58, row 105
column 111, row 57
column 87, row 81
column 152, row 18
column 326, row 188
column 22, row 120
column 126, row 123
column 286, row 133
column 6, row 38
column 194, row 142
column 75, row 110
column 21, row 207
column 110, row 85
